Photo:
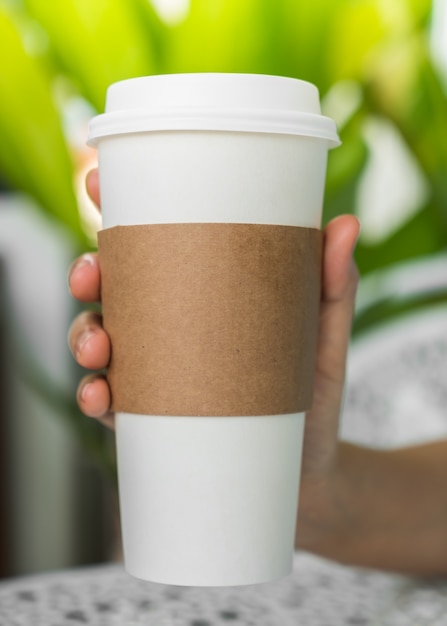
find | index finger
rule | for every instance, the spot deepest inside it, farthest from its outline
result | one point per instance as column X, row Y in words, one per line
column 84, row 278
column 92, row 184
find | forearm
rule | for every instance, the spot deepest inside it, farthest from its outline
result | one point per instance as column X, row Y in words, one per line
column 385, row 509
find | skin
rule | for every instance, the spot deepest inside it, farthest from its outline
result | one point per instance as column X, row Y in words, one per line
column 378, row 509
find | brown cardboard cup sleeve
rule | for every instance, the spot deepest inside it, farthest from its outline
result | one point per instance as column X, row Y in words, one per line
column 211, row 319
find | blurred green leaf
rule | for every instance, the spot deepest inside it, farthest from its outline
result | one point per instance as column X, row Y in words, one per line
column 420, row 10
column 33, row 150
column 284, row 37
column 392, row 308
column 422, row 235
column 419, row 111
column 98, row 43
column 345, row 166
column 298, row 35
column 217, row 36
column 358, row 27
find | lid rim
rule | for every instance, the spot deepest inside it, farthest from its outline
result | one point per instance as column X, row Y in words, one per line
column 213, row 119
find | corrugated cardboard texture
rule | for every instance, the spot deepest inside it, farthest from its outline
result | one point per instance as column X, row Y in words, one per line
column 211, row 319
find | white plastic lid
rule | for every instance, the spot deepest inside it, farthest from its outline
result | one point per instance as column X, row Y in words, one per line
column 213, row 102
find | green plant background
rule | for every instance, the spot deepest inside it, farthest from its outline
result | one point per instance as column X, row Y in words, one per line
column 54, row 51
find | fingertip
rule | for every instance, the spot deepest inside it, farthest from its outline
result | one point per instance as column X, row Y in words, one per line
column 340, row 274
column 94, row 397
column 341, row 236
column 94, row 349
column 84, row 278
column 344, row 227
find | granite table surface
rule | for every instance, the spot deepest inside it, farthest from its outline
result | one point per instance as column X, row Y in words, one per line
column 317, row 593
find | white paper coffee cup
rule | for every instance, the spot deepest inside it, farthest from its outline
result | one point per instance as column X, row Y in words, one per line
column 211, row 501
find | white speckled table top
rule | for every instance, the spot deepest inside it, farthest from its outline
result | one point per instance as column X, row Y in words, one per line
column 318, row 593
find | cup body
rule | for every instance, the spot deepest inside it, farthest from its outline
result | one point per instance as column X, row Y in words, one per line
column 201, row 176
column 210, row 501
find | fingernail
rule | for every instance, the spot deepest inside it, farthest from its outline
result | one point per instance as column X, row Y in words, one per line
column 83, row 261
column 89, row 259
column 85, row 336
column 84, row 391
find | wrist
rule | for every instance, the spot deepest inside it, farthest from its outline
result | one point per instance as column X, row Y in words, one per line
column 379, row 509
column 328, row 521
column 318, row 522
